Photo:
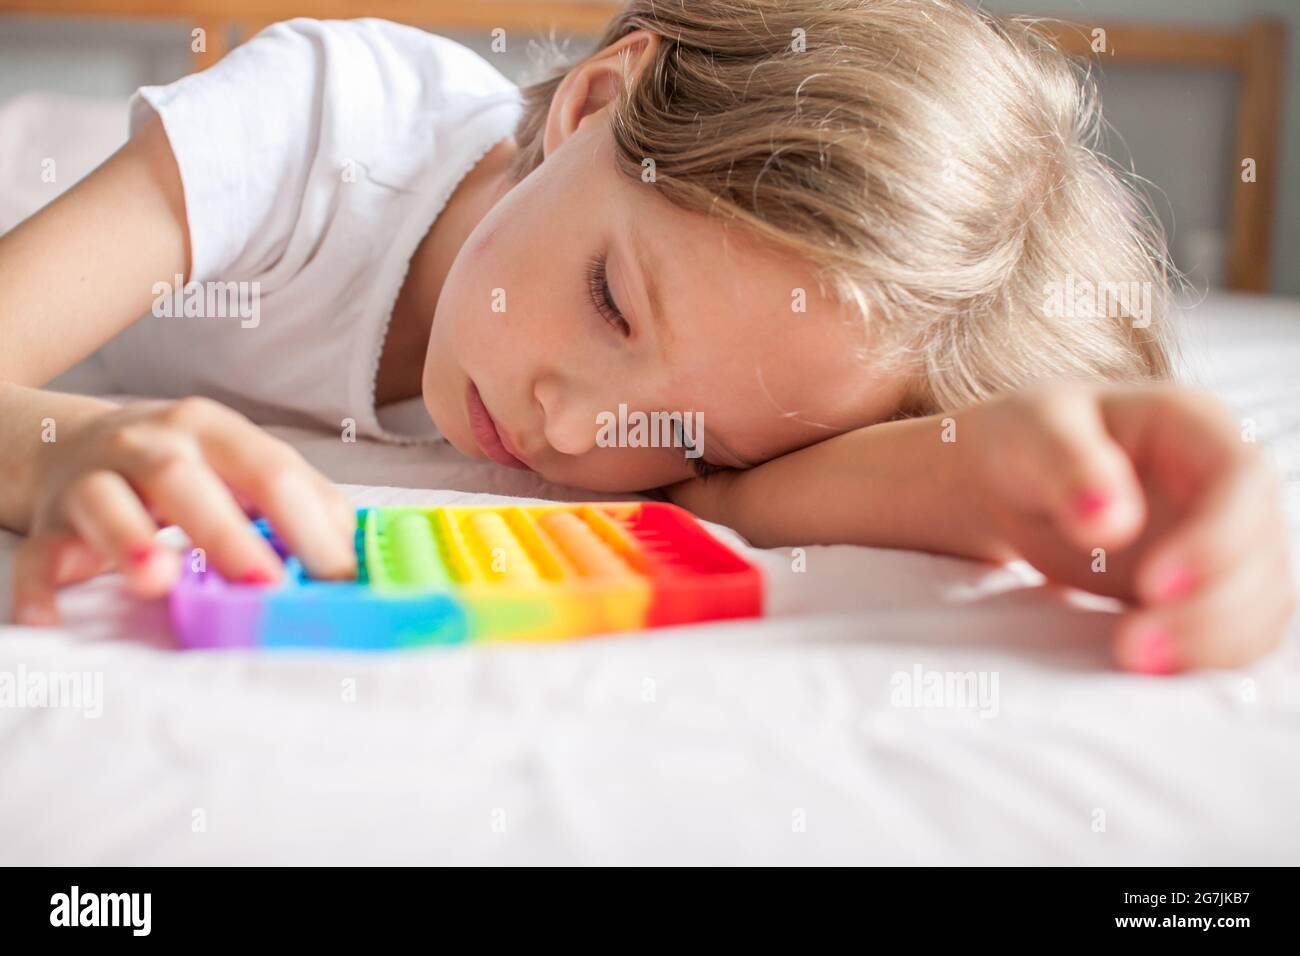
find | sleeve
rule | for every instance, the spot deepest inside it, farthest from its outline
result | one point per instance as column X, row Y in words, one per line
column 245, row 134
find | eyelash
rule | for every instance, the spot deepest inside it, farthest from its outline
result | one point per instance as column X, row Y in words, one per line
column 602, row 298
column 704, row 468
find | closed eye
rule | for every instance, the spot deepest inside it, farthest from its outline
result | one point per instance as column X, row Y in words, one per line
column 603, row 299
column 699, row 465
column 704, row 468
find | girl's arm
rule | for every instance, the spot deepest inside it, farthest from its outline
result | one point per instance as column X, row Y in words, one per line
column 81, row 270
column 892, row 485
column 88, row 481
column 1147, row 494
column 72, row 277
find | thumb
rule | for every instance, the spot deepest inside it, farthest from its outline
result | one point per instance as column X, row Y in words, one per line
column 42, row 564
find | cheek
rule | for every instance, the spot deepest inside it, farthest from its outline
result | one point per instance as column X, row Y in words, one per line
column 475, row 299
column 507, row 305
column 460, row 335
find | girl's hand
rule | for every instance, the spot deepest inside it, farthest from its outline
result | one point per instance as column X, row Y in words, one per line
column 107, row 486
column 1150, row 494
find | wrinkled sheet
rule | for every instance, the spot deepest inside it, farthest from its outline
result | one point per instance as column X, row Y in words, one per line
column 782, row 740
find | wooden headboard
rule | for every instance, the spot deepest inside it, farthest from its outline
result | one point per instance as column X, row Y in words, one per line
column 1255, row 53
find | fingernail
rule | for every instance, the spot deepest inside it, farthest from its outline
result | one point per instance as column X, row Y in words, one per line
column 1154, row 653
column 1176, row 583
column 1088, row 504
column 141, row 553
column 257, row 576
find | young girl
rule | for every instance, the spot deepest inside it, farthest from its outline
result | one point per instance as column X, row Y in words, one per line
column 866, row 243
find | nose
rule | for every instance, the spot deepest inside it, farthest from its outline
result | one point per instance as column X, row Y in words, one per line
column 572, row 420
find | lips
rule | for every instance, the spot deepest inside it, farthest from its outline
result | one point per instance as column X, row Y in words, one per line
column 486, row 434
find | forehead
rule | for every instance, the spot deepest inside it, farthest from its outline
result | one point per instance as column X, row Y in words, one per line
column 773, row 361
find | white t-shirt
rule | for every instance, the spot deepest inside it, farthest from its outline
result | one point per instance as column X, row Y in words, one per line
column 314, row 159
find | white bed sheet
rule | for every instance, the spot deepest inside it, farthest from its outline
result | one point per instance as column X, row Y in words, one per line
column 771, row 741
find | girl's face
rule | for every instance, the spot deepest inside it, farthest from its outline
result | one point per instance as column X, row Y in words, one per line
column 583, row 298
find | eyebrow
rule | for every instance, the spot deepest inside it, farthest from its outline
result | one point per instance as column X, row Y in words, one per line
column 647, row 264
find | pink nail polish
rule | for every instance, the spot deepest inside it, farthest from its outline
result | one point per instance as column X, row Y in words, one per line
column 1177, row 583
column 256, row 576
column 141, row 554
column 1155, row 653
column 1089, row 504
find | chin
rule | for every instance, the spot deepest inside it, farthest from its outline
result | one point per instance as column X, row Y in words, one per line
column 440, row 423
column 601, row 484
column 431, row 408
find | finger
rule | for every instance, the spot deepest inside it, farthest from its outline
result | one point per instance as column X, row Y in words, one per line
column 306, row 520
column 187, row 493
column 1179, row 438
column 308, row 513
column 34, row 584
column 340, row 508
column 1228, row 622
column 249, row 465
column 106, row 512
column 1067, row 466
column 79, row 561
column 42, row 564
column 1235, row 516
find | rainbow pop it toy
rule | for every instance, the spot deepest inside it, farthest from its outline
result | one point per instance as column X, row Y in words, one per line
column 468, row 573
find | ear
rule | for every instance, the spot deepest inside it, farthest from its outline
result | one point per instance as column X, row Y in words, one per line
column 594, row 83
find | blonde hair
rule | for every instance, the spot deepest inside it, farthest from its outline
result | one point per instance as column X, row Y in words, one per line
column 938, row 165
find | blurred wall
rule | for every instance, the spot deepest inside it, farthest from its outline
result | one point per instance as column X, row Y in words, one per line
column 1173, row 125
